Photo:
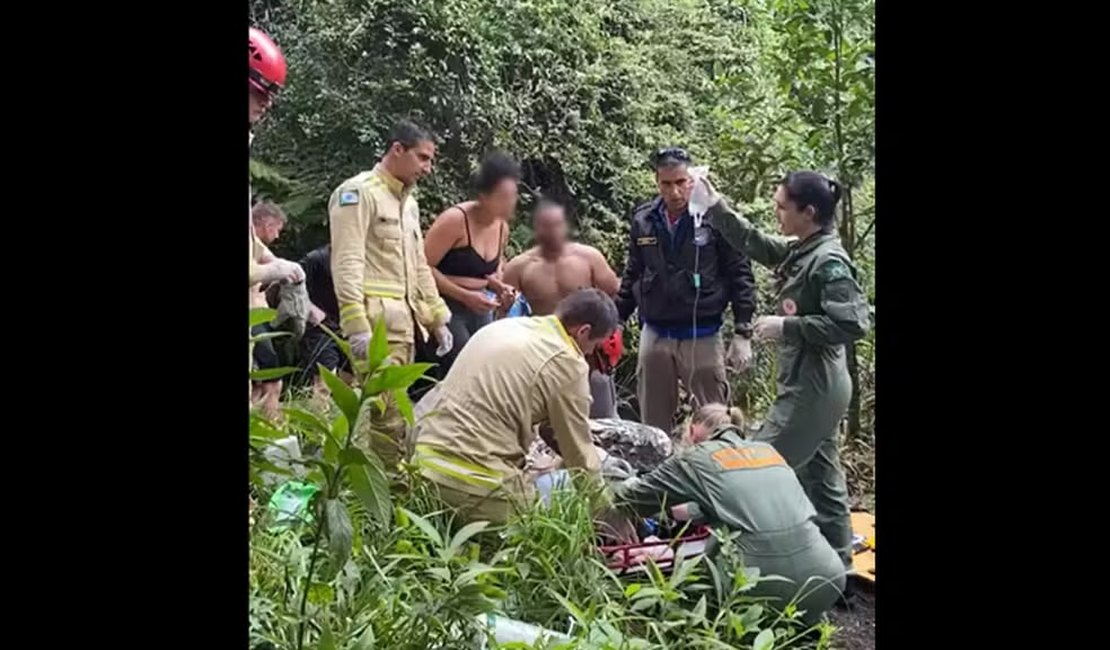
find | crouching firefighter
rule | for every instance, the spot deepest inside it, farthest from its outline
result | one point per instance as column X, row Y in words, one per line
column 513, row 375
column 380, row 272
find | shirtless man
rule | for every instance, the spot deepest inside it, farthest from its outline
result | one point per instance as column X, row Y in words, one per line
column 555, row 268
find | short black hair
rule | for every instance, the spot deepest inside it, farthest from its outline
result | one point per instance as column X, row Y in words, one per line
column 544, row 203
column 495, row 167
column 408, row 134
column 810, row 188
column 670, row 157
column 589, row 307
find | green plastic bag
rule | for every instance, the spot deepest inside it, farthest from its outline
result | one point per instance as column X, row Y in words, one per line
column 290, row 505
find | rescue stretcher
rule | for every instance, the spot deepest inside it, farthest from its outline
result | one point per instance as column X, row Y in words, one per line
column 628, row 559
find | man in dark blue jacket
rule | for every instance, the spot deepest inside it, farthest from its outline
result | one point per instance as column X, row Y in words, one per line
column 680, row 276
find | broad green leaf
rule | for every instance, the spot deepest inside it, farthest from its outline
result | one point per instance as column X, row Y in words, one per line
column 262, row 315
column 404, row 405
column 765, row 640
column 353, row 456
column 308, row 420
column 632, row 589
column 392, row 378
column 464, row 534
column 262, row 428
column 370, row 485
column 340, row 533
column 342, row 394
column 327, row 642
column 339, row 429
column 379, row 347
column 271, row 374
column 751, row 617
column 425, row 527
column 366, row 640
column 698, row 612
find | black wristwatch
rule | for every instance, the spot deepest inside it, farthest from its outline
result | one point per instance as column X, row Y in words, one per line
column 743, row 329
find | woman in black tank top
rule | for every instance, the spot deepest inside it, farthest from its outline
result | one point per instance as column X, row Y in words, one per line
column 465, row 248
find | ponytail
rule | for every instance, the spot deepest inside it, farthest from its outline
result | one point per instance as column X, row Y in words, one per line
column 736, row 417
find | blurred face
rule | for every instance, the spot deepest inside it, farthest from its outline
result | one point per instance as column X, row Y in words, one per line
column 501, row 200
column 412, row 164
column 260, row 102
column 792, row 221
column 583, row 335
column 675, row 185
column 268, row 230
column 550, row 225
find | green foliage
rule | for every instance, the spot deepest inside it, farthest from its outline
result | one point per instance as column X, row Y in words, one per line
column 581, row 92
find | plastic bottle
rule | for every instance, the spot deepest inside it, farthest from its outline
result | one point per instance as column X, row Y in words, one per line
column 507, row 630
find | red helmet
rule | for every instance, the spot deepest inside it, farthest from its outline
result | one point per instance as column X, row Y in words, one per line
column 267, row 65
column 613, row 348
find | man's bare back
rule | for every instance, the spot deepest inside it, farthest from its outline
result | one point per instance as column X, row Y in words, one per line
column 545, row 281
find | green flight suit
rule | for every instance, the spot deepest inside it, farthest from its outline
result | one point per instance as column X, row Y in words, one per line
column 742, row 485
column 824, row 310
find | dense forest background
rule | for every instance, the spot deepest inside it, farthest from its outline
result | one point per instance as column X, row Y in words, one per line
column 582, row 92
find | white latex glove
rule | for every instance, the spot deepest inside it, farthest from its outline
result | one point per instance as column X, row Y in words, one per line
column 281, row 270
column 445, row 339
column 704, row 196
column 360, row 344
column 769, row 328
column 739, row 353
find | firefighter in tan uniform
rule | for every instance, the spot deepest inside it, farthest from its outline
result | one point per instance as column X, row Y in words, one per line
column 513, row 375
column 379, row 270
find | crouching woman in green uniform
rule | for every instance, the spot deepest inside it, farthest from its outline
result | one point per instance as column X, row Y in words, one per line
column 819, row 309
column 724, row 481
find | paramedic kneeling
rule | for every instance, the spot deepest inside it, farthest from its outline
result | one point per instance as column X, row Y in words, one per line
column 513, row 375
column 725, row 481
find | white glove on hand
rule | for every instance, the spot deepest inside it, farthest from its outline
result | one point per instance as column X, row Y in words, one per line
column 704, row 196
column 739, row 353
column 445, row 339
column 360, row 345
column 769, row 328
column 281, row 270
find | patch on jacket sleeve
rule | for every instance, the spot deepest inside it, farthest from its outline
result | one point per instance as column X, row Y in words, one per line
column 348, row 197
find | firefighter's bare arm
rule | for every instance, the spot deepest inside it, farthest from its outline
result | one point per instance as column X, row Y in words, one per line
column 349, row 213
column 568, row 405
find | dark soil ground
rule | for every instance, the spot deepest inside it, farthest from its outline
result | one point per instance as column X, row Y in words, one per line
column 856, row 626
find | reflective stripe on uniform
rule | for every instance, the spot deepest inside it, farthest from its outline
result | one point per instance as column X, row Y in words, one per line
column 435, row 460
column 383, row 290
column 351, row 312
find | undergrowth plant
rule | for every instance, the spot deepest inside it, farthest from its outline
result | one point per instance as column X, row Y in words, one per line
column 381, row 563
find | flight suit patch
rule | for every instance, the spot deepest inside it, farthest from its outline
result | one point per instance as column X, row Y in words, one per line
column 348, row 197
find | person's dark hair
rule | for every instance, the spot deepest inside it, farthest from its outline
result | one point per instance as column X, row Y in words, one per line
column 544, row 203
column 670, row 157
column 589, row 307
column 267, row 210
column 810, row 188
column 408, row 134
column 495, row 168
